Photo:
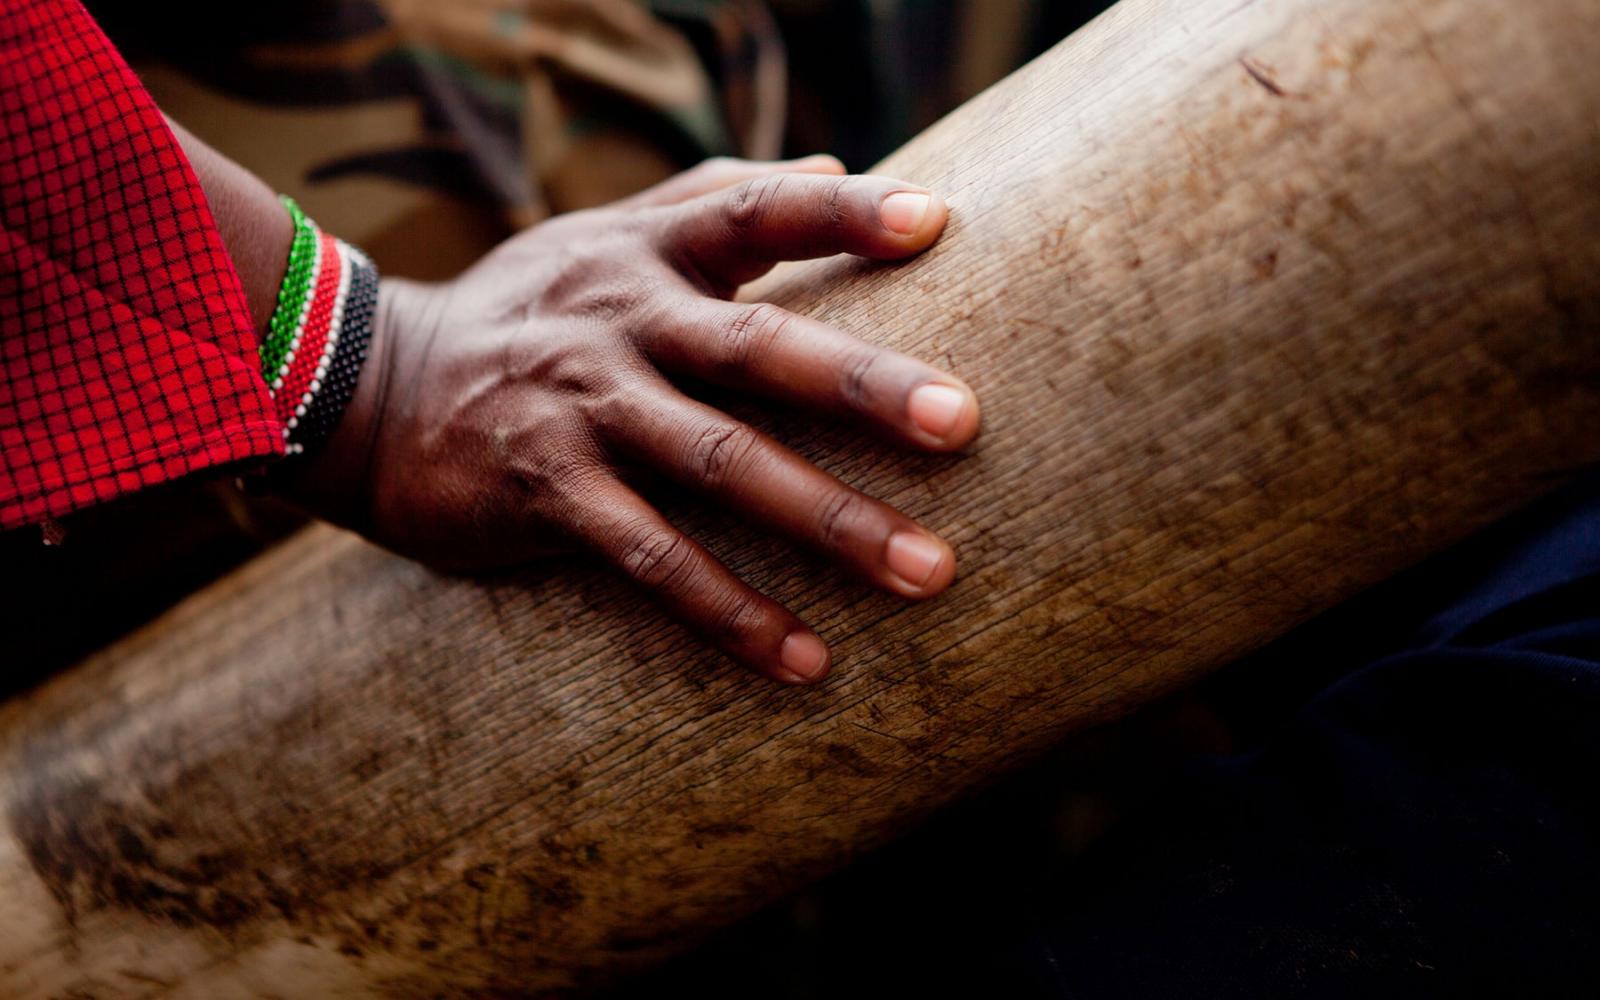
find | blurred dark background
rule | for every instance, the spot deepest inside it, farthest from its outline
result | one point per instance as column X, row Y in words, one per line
column 867, row 75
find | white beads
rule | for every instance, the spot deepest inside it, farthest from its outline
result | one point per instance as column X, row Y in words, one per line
column 323, row 363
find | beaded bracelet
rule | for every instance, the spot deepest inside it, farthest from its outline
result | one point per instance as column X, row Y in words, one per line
column 317, row 338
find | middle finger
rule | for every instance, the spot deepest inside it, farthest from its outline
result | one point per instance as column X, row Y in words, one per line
column 783, row 355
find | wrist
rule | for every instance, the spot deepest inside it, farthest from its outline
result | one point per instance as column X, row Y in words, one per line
column 334, row 483
column 254, row 228
column 314, row 349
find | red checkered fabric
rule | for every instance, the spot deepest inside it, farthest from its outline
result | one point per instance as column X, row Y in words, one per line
column 127, row 352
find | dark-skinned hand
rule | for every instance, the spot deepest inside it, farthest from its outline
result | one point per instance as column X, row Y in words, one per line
column 496, row 409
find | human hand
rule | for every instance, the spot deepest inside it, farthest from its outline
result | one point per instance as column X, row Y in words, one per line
column 495, row 409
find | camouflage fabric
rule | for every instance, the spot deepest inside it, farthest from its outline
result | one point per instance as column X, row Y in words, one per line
column 427, row 130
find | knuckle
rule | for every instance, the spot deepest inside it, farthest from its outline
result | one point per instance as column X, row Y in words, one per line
column 566, row 493
column 608, row 302
column 837, row 515
column 568, row 279
column 656, row 557
column 597, row 292
column 615, row 408
column 718, row 453
column 544, row 473
column 740, row 617
column 751, row 335
column 834, row 206
column 602, row 282
column 572, row 368
column 749, row 202
column 855, row 377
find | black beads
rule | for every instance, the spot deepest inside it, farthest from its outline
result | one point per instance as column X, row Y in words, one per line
column 338, row 385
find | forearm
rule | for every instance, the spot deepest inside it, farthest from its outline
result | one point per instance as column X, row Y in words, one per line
column 257, row 231
column 254, row 226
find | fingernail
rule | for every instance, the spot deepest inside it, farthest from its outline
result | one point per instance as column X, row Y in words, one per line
column 803, row 655
column 902, row 211
column 913, row 557
column 936, row 408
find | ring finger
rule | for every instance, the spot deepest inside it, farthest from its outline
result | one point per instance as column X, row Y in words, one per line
column 695, row 588
column 706, row 450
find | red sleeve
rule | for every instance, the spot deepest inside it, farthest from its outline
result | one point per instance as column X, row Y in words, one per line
column 127, row 352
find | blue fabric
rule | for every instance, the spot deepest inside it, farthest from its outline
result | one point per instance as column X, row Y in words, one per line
column 1426, row 825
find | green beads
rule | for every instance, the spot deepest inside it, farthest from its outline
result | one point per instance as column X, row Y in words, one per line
column 299, row 277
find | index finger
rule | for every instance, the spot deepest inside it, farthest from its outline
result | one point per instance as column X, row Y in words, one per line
column 733, row 236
